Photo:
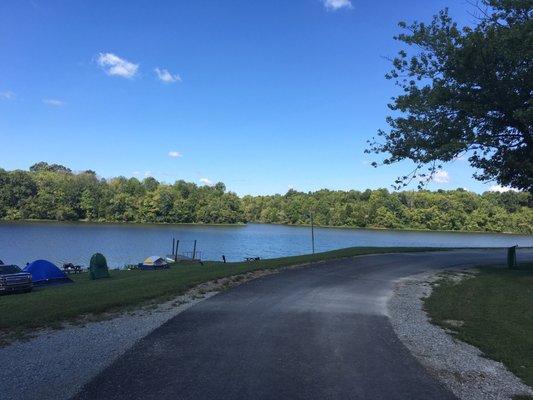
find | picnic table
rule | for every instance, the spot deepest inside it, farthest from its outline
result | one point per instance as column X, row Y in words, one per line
column 70, row 268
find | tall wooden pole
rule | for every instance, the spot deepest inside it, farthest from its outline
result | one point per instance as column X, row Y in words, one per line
column 194, row 251
column 312, row 233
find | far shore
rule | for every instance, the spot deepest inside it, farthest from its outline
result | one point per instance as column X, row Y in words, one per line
column 243, row 224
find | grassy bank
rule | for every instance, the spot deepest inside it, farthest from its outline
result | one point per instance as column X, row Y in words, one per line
column 53, row 305
column 494, row 311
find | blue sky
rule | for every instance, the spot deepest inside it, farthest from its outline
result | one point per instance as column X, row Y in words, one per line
column 262, row 95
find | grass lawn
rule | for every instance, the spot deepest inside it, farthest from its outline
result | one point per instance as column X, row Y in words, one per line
column 49, row 307
column 496, row 308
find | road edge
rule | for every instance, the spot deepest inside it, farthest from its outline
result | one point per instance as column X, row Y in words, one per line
column 461, row 367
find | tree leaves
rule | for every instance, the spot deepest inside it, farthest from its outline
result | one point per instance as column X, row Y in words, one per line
column 61, row 196
column 465, row 90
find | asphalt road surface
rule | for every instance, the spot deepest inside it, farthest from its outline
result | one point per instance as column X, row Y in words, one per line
column 320, row 332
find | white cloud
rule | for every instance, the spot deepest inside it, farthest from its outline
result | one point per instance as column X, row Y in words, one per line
column 166, row 76
column 441, row 176
column 337, row 4
column 54, row 102
column 116, row 66
column 175, row 154
column 206, row 181
column 146, row 174
column 501, row 189
column 7, row 95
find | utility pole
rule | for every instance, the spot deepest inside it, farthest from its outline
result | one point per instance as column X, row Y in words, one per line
column 312, row 232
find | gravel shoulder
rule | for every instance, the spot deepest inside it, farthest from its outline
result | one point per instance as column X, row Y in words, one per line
column 55, row 364
column 460, row 366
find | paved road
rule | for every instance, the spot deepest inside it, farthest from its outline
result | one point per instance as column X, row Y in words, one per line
column 316, row 333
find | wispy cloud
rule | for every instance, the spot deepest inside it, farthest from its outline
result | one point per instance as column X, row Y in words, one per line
column 206, row 181
column 337, row 4
column 164, row 76
column 7, row 95
column 116, row 66
column 175, row 154
column 146, row 174
column 501, row 189
column 54, row 102
column 441, row 176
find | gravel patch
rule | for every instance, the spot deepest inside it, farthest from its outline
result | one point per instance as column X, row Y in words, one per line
column 55, row 364
column 460, row 366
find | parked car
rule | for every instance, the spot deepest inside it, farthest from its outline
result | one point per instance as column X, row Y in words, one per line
column 12, row 279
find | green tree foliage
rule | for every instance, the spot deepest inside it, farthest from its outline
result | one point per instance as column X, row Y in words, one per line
column 440, row 210
column 54, row 192
column 59, row 194
column 43, row 166
column 465, row 91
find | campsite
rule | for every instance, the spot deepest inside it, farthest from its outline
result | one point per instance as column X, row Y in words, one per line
column 53, row 305
column 45, row 273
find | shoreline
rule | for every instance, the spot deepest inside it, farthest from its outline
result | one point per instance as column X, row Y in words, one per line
column 244, row 224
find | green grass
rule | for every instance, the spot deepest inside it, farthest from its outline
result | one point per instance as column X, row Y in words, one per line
column 496, row 308
column 51, row 306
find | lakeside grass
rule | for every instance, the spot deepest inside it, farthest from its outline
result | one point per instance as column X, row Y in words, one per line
column 495, row 308
column 51, row 306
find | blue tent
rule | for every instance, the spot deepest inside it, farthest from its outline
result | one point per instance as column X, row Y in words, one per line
column 43, row 272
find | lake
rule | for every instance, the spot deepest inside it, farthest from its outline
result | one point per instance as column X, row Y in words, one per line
column 122, row 244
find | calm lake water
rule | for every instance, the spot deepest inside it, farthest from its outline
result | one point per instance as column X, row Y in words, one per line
column 21, row 242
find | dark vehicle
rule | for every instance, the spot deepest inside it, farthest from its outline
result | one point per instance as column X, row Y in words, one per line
column 12, row 279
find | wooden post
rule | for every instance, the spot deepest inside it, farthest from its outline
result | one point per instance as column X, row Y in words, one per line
column 511, row 258
column 176, row 253
column 194, row 251
column 173, row 244
column 312, row 233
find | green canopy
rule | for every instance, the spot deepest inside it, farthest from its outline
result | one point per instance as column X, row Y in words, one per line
column 98, row 267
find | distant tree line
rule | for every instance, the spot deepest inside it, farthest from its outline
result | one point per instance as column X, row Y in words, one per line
column 54, row 192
